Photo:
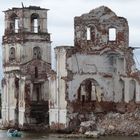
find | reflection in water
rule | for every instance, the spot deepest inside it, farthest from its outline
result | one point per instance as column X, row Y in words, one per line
column 44, row 136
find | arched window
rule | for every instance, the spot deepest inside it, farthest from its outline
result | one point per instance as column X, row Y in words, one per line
column 89, row 90
column 12, row 54
column 35, row 23
column 14, row 23
column 37, row 53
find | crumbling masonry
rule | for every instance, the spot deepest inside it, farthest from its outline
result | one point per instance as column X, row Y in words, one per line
column 95, row 75
column 27, row 65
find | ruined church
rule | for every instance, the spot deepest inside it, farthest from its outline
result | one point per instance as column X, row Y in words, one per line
column 96, row 75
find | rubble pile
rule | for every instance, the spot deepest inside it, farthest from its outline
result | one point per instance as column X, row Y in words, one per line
column 121, row 124
column 113, row 123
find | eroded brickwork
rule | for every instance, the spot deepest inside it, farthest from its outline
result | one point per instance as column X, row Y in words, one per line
column 99, row 73
column 27, row 66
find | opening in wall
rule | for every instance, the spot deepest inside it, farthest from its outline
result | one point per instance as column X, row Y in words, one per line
column 13, row 23
column 88, row 33
column 36, row 72
column 37, row 53
column 16, row 25
column 12, row 54
column 112, row 34
column 35, row 23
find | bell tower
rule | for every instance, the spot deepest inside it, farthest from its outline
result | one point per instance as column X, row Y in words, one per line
column 26, row 64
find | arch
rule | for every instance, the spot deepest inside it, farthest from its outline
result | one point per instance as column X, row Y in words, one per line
column 35, row 23
column 132, row 90
column 89, row 90
column 14, row 23
column 37, row 53
column 12, row 54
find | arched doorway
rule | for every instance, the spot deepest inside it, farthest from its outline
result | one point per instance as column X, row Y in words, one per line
column 89, row 90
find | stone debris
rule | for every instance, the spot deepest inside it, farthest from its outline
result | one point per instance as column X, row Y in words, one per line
column 121, row 124
column 113, row 123
column 87, row 126
column 94, row 134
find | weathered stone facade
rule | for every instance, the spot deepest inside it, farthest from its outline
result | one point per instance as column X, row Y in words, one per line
column 27, row 65
column 96, row 75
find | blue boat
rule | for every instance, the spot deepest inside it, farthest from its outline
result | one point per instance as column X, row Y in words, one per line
column 13, row 133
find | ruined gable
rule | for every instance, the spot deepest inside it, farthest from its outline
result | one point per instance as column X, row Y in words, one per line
column 93, row 30
column 98, row 74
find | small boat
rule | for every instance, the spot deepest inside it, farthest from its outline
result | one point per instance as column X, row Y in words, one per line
column 13, row 133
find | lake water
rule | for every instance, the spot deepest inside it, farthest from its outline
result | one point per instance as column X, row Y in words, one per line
column 43, row 136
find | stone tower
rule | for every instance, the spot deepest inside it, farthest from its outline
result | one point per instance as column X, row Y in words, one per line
column 27, row 64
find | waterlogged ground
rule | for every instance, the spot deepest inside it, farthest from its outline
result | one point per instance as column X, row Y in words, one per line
column 44, row 136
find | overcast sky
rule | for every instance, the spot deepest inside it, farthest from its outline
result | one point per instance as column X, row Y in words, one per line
column 62, row 12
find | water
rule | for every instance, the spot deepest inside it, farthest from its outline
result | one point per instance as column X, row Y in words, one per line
column 43, row 136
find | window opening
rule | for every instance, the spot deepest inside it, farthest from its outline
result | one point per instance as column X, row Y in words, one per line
column 112, row 34
column 36, row 53
column 83, row 98
column 88, row 33
column 12, row 54
column 36, row 72
column 88, row 90
column 38, row 92
column 16, row 25
column 34, row 23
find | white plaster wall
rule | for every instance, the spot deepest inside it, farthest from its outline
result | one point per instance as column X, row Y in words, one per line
column 127, row 96
column 45, row 91
column 104, row 84
column 57, row 111
column 53, row 94
column 6, row 50
column 12, row 116
column 117, row 89
column 53, row 116
column 62, row 94
column 85, row 66
column 27, row 51
column 21, row 116
column 137, row 92
column 43, row 18
column 57, row 116
column 61, row 62
column 22, row 90
column 132, row 89
column 61, row 72
column 82, row 63
column 120, row 65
